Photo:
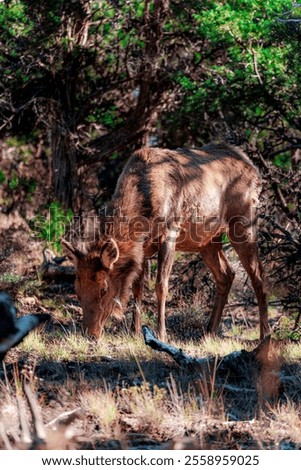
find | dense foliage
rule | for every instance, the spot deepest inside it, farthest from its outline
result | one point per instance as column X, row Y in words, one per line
column 100, row 76
column 87, row 81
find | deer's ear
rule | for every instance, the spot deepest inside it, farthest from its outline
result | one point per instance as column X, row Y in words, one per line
column 71, row 252
column 109, row 253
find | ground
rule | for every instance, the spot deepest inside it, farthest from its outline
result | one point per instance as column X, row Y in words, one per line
column 124, row 394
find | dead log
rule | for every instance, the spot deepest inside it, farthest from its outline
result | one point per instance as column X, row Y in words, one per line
column 185, row 361
column 260, row 353
column 238, row 370
column 54, row 269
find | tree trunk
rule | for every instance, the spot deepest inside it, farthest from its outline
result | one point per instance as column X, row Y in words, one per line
column 63, row 156
column 151, row 86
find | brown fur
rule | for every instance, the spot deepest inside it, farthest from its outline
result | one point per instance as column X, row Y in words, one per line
column 167, row 201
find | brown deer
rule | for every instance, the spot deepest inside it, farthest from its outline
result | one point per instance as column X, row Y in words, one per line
column 167, row 201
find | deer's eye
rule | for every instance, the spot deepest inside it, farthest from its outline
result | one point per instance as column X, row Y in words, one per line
column 103, row 291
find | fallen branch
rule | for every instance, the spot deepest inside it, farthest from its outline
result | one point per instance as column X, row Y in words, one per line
column 53, row 269
column 235, row 362
column 39, row 433
column 177, row 354
column 65, row 418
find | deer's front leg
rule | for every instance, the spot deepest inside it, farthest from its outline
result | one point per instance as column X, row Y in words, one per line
column 165, row 261
column 138, row 292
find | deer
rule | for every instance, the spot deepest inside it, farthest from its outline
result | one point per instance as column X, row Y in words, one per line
column 167, row 201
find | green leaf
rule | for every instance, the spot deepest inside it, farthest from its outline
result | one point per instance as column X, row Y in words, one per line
column 14, row 182
column 2, row 177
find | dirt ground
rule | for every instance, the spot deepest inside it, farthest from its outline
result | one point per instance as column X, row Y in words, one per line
column 60, row 384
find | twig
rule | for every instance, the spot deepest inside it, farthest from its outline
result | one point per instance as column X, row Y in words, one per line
column 25, row 433
column 234, row 388
column 291, row 20
column 64, row 419
column 257, row 74
column 39, row 429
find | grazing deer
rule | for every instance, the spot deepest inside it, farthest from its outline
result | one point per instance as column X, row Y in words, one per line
column 167, row 201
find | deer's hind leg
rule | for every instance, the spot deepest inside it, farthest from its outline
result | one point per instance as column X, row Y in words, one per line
column 216, row 261
column 243, row 238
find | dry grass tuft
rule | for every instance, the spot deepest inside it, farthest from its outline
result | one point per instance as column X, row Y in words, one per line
column 134, row 397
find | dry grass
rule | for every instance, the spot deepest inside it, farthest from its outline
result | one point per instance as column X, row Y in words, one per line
column 129, row 394
column 102, row 407
column 134, row 397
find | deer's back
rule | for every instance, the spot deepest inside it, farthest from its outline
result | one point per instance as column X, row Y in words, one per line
column 216, row 181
